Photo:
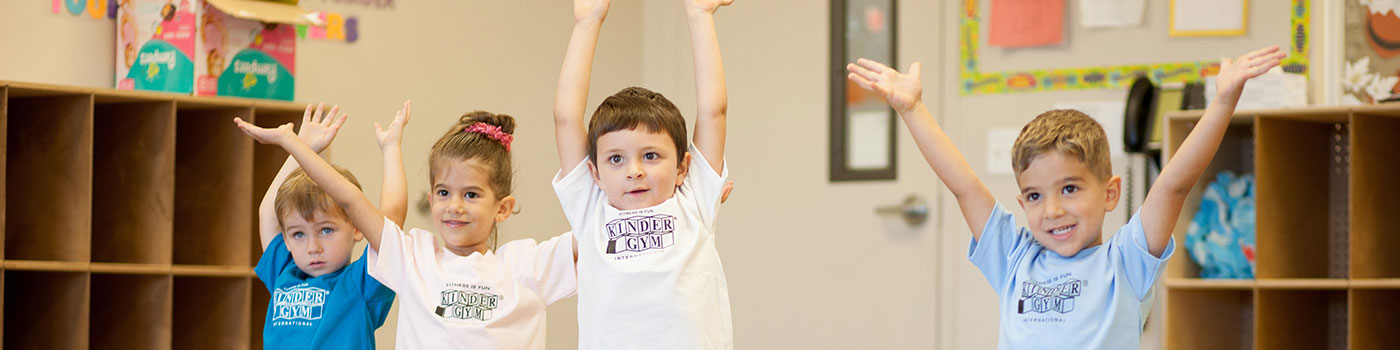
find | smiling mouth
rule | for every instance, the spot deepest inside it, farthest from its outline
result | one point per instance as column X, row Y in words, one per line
column 1062, row 233
column 454, row 223
column 636, row 192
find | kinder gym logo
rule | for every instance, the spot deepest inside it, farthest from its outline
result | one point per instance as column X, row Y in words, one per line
column 300, row 302
column 465, row 305
column 1039, row 298
column 641, row 233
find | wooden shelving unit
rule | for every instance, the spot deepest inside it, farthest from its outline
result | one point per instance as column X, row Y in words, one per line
column 128, row 218
column 1327, row 275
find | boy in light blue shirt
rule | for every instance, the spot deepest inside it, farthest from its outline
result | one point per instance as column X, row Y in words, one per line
column 1059, row 286
column 320, row 299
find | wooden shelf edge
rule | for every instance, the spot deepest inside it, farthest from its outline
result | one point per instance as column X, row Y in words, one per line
column 110, row 94
column 130, row 268
column 1304, row 283
column 1376, row 283
column 212, row 271
column 1203, row 283
column 40, row 265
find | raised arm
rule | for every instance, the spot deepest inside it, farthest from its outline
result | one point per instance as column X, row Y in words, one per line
column 571, row 96
column 1163, row 203
column 362, row 213
column 904, row 93
column 711, row 98
column 393, row 193
column 317, row 130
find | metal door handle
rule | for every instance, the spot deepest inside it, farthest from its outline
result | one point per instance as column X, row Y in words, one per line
column 914, row 210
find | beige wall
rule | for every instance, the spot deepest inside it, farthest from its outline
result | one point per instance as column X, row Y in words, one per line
column 809, row 264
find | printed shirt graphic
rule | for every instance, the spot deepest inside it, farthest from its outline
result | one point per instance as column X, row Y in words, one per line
column 494, row 300
column 338, row 310
column 649, row 278
column 1096, row 299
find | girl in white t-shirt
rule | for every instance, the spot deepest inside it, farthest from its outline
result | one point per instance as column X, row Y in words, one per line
column 459, row 293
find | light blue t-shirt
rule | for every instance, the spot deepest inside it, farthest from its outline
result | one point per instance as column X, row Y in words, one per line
column 338, row 310
column 1096, row 299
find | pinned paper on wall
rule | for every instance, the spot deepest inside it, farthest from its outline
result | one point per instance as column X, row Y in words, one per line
column 870, row 131
column 1208, row 17
column 338, row 27
column 1026, row 23
column 1111, row 13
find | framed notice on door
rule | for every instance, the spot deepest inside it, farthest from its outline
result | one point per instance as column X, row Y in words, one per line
column 862, row 125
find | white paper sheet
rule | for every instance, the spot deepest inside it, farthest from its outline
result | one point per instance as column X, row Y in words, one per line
column 1111, row 13
column 1273, row 89
column 868, row 140
column 1208, row 16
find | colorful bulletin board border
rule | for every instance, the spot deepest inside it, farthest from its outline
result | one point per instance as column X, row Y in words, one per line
column 975, row 82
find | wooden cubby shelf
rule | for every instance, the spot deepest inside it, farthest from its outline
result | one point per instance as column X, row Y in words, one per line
column 128, row 218
column 1326, row 274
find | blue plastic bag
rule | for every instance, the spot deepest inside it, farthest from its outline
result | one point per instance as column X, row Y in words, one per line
column 1221, row 236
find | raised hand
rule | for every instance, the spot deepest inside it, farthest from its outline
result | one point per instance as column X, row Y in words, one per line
column 903, row 91
column 705, row 6
column 1234, row 73
column 394, row 134
column 318, row 129
column 274, row 136
column 591, row 10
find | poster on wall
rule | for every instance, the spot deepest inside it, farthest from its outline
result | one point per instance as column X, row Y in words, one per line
column 1371, row 51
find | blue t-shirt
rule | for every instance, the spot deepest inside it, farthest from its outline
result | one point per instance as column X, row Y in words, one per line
column 338, row 310
column 1096, row 299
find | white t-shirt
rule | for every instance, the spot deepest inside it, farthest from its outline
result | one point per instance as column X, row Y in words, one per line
column 649, row 278
column 494, row 300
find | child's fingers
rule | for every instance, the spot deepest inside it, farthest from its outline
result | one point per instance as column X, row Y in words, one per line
column 863, row 72
column 316, row 116
column 407, row 110
column 915, row 69
column 860, row 81
column 339, row 121
column 377, row 129
column 306, row 117
column 871, row 65
column 330, row 116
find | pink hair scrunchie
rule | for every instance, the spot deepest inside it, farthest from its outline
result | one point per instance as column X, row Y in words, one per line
column 493, row 132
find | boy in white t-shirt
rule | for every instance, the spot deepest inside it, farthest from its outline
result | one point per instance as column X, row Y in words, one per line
column 643, row 201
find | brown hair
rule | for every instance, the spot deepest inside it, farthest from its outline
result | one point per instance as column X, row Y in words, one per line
column 461, row 145
column 301, row 194
column 1067, row 131
column 636, row 107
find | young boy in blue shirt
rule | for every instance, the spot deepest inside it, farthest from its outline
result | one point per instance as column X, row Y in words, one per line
column 1059, row 286
column 321, row 300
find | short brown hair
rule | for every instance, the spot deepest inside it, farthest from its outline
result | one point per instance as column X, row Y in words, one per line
column 298, row 192
column 1067, row 131
column 636, row 107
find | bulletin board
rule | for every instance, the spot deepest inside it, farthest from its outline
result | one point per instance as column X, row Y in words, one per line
column 974, row 81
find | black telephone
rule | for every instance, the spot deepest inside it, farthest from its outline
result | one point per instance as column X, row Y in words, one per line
column 1137, row 117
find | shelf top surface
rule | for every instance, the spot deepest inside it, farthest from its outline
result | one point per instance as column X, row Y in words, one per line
column 108, row 95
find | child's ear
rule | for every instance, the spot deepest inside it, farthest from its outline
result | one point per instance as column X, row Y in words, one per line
column 683, row 169
column 593, row 169
column 1112, row 190
column 505, row 207
column 359, row 235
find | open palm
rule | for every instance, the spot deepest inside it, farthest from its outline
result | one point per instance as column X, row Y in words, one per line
column 394, row 134
column 318, row 129
column 1234, row 73
column 903, row 91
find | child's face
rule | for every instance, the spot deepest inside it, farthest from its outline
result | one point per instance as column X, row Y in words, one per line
column 465, row 208
column 637, row 168
column 1065, row 203
column 320, row 244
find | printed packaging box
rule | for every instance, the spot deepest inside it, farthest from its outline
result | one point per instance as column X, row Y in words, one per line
column 209, row 47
